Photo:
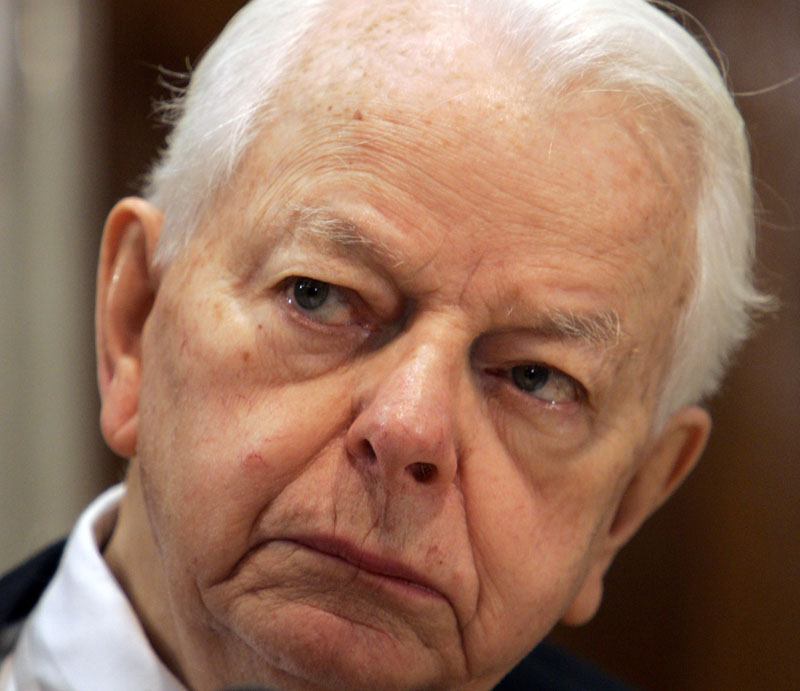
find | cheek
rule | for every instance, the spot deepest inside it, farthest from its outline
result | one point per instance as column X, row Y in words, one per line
column 533, row 535
column 221, row 435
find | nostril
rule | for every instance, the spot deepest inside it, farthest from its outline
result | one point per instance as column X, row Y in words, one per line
column 365, row 451
column 422, row 472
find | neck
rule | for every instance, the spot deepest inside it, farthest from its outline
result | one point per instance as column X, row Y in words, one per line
column 134, row 559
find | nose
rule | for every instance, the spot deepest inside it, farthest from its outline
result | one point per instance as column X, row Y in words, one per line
column 404, row 427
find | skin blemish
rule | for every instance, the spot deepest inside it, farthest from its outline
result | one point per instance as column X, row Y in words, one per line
column 246, row 356
column 253, row 460
column 241, row 398
column 218, row 312
column 433, row 555
column 357, row 115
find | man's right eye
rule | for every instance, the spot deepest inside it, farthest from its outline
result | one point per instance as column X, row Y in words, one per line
column 320, row 301
column 309, row 293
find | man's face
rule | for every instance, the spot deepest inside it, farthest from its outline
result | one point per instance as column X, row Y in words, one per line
column 395, row 388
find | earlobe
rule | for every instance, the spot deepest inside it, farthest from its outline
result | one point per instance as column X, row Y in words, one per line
column 126, row 287
column 666, row 464
column 586, row 603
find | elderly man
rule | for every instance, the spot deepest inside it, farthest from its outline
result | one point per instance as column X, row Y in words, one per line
column 404, row 344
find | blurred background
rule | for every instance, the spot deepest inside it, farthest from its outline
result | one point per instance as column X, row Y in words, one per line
column 707, row 596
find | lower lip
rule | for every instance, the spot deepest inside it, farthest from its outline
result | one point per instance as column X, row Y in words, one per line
column 376, row 577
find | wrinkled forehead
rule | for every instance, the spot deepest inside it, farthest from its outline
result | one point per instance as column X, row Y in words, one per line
column 423, row 56
column 434, row 58
column 430, row 67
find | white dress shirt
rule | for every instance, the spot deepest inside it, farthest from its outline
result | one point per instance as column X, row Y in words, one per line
column 83, row 635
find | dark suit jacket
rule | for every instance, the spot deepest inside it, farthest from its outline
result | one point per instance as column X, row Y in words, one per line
column 547, row 668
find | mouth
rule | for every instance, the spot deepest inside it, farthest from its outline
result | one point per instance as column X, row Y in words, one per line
column 387, row 569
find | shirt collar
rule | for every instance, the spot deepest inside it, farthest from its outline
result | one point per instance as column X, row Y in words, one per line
column 84, row 633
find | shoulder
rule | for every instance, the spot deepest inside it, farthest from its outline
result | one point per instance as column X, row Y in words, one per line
column 21, row 588
column 549, row 668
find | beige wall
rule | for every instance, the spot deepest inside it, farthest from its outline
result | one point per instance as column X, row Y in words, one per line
column 48, row 167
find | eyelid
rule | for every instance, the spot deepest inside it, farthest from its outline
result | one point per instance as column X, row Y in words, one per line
column 372, row 289
column 500, row 351
column 505, row 372
column 347, row 300
column 577, row 390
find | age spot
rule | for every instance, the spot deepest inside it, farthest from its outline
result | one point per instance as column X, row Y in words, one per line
column 253, row 460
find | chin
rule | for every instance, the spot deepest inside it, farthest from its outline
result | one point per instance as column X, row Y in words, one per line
column 306, row 620
column 302, row 646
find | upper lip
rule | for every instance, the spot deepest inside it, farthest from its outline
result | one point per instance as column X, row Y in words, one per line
column 367, row 561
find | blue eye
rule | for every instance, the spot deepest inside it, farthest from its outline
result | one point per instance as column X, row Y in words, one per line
column 309, row 293
column 546, row 383
column 530, row 378
column 321, row 302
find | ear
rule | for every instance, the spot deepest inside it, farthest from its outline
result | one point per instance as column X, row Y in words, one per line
column 669, row 459
column 126, row 289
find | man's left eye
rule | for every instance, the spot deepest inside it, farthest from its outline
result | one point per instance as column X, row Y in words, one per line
column 546, row 383
column 320, row 301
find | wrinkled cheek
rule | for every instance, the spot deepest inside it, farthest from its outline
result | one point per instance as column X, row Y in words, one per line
column 218, row 449
column 189, row 437
column 533, row 542
column 201, row 476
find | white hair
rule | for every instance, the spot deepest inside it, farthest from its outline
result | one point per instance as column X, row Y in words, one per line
column 624, row 45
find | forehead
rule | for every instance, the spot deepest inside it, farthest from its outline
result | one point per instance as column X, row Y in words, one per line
column 585, row 172
column 388, row 46
column 428, row 75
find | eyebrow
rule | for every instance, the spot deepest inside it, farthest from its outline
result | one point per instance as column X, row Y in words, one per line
column 602, row 328
column 319, row 224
